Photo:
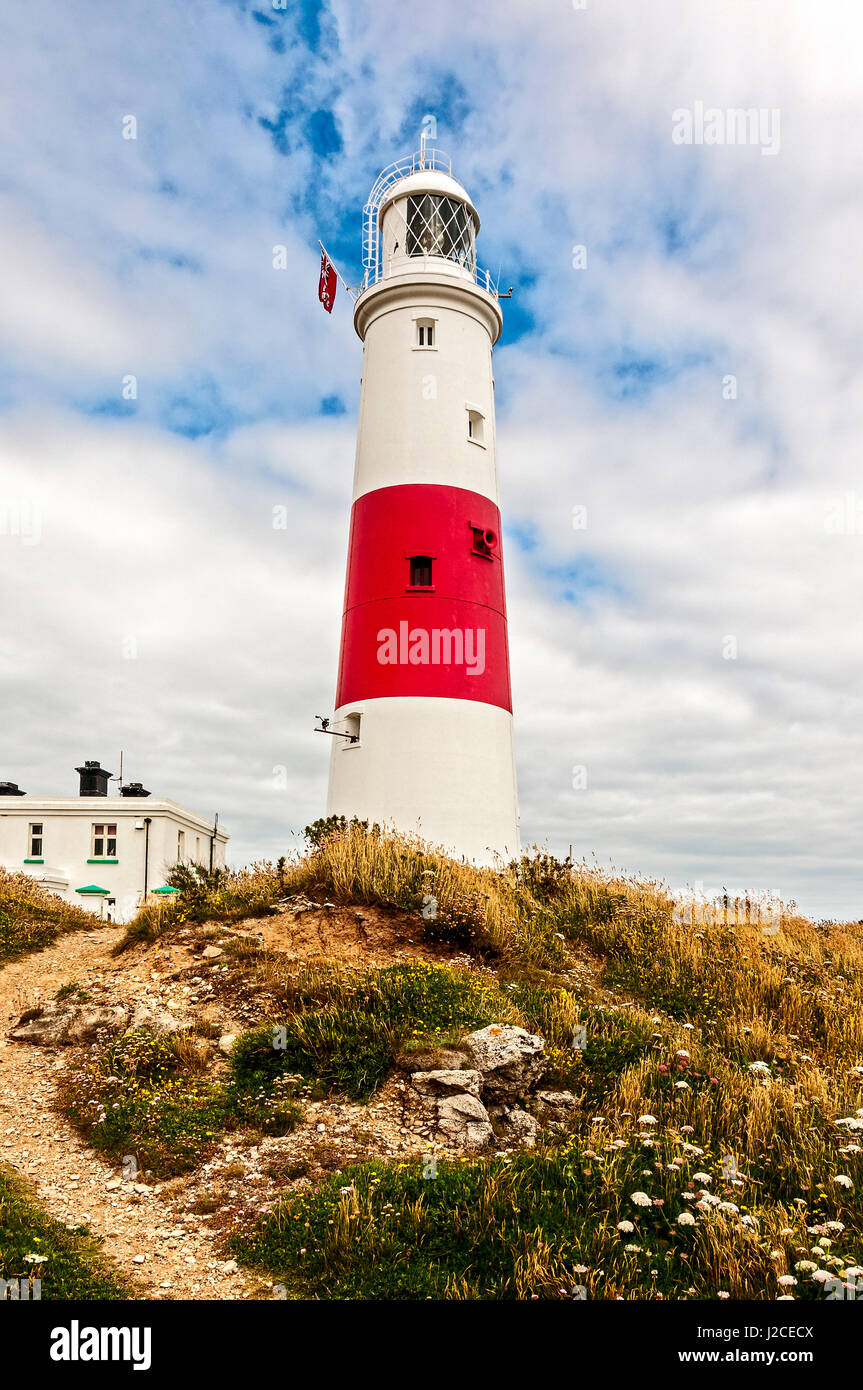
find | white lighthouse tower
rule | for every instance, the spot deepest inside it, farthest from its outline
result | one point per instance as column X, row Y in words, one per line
column 423, row 716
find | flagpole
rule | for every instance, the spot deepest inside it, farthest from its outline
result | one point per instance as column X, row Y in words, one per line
column 349, row 289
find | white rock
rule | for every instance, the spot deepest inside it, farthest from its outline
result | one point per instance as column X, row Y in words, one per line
column 57, row 1026
column 464, row 1120
column 552, row 1108
column 510, row 1059
column 444, row 1083
column 154, row 1020
column 520, row 1129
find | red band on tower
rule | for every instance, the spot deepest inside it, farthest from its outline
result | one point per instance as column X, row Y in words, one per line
column 425, row 612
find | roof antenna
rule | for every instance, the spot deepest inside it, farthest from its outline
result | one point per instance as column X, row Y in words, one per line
column 119, row 778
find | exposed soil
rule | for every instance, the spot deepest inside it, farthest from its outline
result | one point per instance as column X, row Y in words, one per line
column 373, row 936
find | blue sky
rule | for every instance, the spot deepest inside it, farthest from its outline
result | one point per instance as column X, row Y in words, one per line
column 160, row 611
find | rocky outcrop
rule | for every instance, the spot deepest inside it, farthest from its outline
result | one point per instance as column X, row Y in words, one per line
column 447, row 1083
column 518, row 1129
column 154, row 1020
column 553, row 1108
column 510, row 1060
column 58, row 1025
column 64, row 1025
column 463, row 1119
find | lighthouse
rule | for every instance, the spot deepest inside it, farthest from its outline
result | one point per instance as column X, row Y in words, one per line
column 423, row 714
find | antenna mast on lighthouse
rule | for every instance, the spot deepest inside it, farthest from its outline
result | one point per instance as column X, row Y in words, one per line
column 423, row 694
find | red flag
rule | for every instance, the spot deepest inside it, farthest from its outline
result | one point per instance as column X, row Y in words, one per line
column 327, row 284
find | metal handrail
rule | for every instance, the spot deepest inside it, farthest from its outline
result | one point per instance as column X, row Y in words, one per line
column 421, row 161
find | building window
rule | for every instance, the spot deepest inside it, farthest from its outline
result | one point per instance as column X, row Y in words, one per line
column 420, row 571
column 475, row 427
column 181, row 846
column 425, row 333
column 35, row 841
column 104, row 841
column 198, row 859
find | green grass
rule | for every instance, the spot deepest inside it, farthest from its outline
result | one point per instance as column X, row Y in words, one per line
column 151, row 1097
column 32, row 918
column 544, row 1225
column 68, row 1263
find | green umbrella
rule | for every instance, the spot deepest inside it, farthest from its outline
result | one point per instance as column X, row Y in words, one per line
column 94, row 888
column 166, row 889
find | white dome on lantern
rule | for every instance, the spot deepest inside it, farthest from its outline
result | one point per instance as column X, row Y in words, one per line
column 429, row 181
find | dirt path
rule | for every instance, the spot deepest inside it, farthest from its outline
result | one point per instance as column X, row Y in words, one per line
column 164, row 1250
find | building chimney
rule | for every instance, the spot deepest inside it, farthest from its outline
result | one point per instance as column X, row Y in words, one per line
column 94, row 779
column 11, row 789
column 133, row 789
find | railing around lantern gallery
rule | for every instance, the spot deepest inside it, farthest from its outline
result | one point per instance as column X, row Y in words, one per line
column 423, row 160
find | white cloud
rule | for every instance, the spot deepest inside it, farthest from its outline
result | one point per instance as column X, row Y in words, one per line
column 707, row 518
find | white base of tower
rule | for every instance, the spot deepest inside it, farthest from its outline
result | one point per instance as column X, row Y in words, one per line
column 454, row 759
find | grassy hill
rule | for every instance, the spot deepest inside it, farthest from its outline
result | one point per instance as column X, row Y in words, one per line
column 714, row 1149
column 718, row 1070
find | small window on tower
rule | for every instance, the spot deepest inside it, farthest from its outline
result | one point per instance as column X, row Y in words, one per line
column 475, row 427
column 352, row 729
column 181, row 846
column 36, row 841
column 426, row 333
column 420, row 571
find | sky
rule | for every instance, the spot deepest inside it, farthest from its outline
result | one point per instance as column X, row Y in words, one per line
column 677, row 388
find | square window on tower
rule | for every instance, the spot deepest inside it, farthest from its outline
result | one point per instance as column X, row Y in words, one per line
column 352, row 730
column 475, row 427
column 425, row 333
column 420, row 571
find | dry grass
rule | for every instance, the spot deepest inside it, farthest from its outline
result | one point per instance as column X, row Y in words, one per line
column 31, row 918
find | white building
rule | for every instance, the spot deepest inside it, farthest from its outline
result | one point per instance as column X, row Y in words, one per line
column 105, row 853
